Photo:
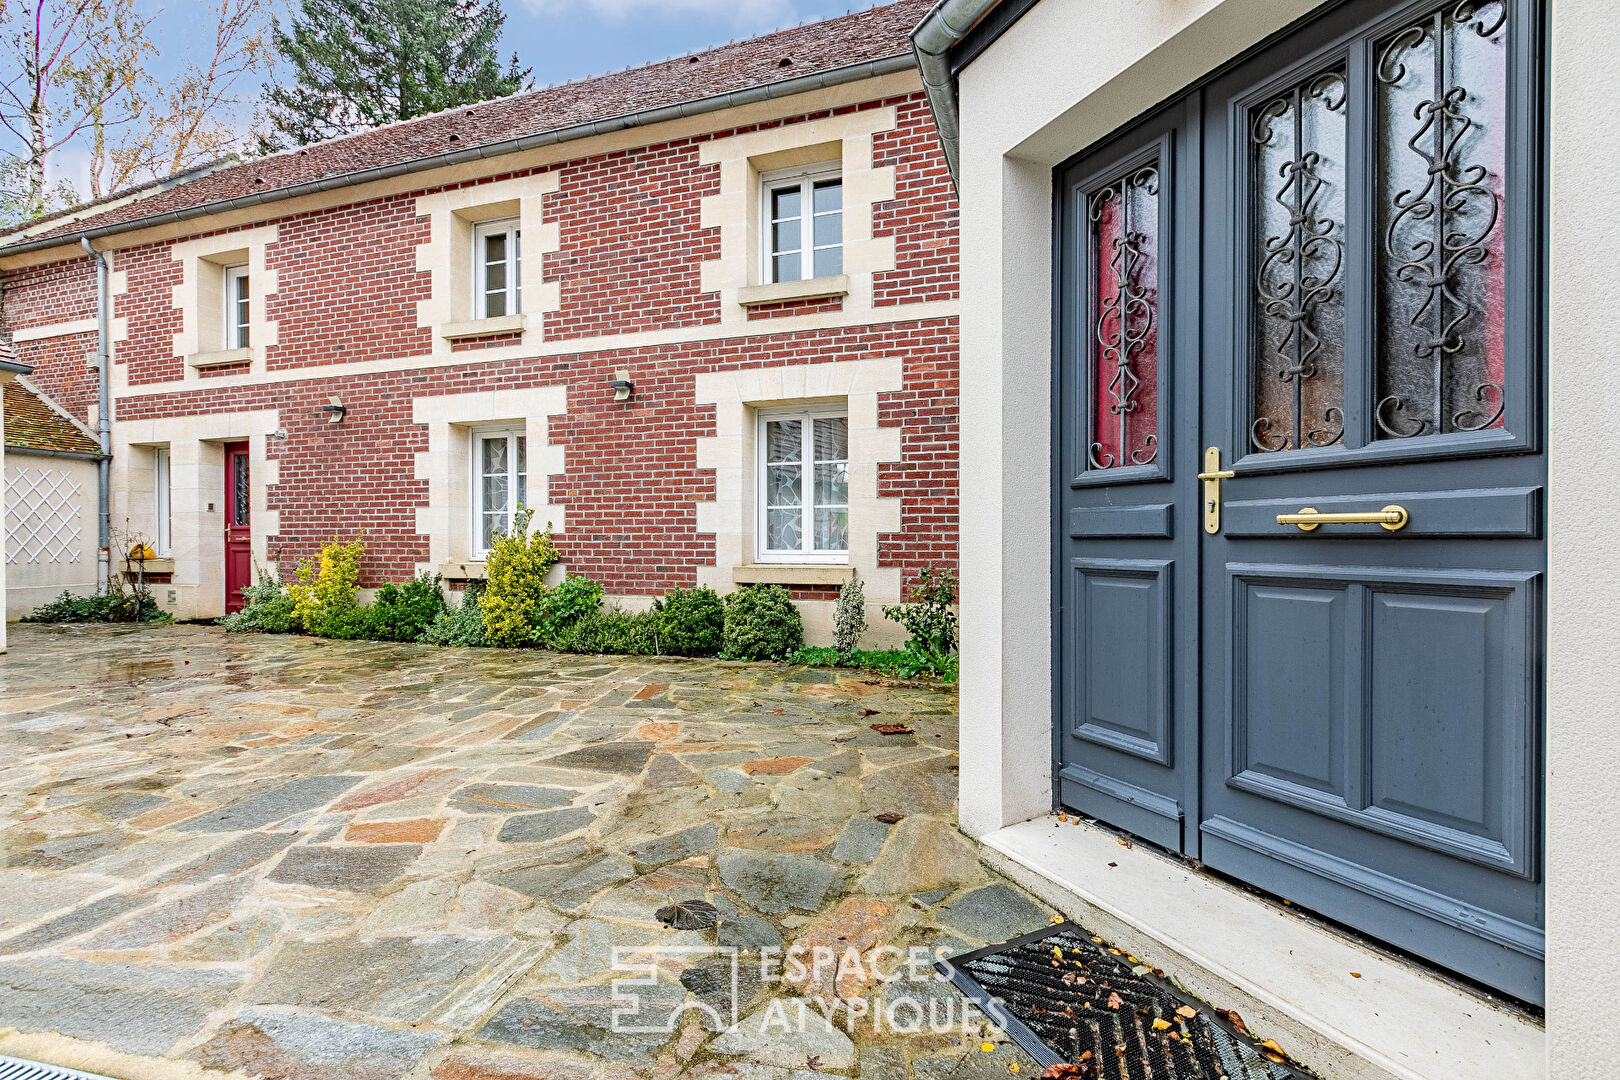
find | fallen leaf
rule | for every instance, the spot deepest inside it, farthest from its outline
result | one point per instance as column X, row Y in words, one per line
column 1115, row 1001
column 1113, row 864
column 1122, row 842
column 1231, row 1017
column 1161, row 1025
column 1355, row 974
column 1061, row 1071
column 987, row 1047
column 1012, row 1067
column 1186, row 1012
column 889, row 817
column 1271, row 1044
column 813, row 1062
column 869, row 712
column 891, row 729
column 688, row 915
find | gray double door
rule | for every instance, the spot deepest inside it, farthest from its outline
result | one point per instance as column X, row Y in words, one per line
column 1320, row 272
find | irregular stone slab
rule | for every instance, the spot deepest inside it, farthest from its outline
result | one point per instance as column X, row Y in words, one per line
column 405, row 979
column 740, row 928
column 538, row 828
column 507, row 798
column 418, row 831
column 776, row 883
column 139, row 1009
column 567, row 886
column 677, row 847
column 922, row 854
column 126, row 804
column 481, row 906
column 925, row 787
column 789, row 1034
column 345, row 869
column 235, row 857
column 419, row 906
column 172, row 921
column 392, row 791
column 485, row 1063
column 861, row 840
column 235, row 941
column 269, row 807
column 627, row 758
column 280, row 1042
column 994, row 913
column 853, row 925
column 75, row 922
column 581, row 1018
column 780, row 766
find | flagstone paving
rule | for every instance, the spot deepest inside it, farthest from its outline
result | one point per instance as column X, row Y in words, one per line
column 294, row 858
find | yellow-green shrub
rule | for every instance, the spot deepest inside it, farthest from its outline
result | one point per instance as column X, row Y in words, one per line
column 323, row 595
column 516, row 585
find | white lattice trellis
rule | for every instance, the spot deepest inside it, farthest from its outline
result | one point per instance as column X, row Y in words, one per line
column 42, row 517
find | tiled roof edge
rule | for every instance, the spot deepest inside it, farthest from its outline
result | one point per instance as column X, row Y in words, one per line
column 868, row 69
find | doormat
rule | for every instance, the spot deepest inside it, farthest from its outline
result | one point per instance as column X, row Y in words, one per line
column 1067, row 999
column 17, row 1069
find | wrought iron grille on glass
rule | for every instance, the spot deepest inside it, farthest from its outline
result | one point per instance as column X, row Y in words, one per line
column 1441, row 115
column 1122, row 321
column 241, row 491
column 1297, row 153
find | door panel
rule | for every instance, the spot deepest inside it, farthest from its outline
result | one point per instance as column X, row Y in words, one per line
column 1125, row 729
column 238, row 532
column 1353, row 712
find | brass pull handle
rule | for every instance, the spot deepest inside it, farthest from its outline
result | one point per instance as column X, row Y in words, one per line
column 1219, row 474
column 1390, row 517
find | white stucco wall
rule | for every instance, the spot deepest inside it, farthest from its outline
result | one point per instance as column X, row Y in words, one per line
column 1014, row 129
column 50, row 529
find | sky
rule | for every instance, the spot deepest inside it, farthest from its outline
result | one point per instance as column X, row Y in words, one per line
column 561, row 40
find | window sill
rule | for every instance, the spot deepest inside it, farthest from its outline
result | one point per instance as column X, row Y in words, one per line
column 792, row 573
column 149, row 566
column 470, row 570
column 220, row 359
column 501, row 324
column 780, row 291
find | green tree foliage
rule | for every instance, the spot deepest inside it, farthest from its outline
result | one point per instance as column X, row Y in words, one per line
column 348, row 65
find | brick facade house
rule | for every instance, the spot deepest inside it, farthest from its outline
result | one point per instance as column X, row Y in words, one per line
column 411, row 330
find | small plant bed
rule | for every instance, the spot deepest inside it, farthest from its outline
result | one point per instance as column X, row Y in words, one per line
column 897, row 662
column 517, row 609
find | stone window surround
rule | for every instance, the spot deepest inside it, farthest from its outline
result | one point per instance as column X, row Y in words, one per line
column 196, row 447
column 200, row 299
column 446, row 465
column 447, row 257
column 732, row 515
column 843, row 142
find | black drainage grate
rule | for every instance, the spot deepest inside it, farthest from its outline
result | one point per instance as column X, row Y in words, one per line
column 17, row 1069
column 1063, row 996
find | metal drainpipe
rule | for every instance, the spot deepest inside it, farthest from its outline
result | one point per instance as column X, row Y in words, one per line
column 103, row 425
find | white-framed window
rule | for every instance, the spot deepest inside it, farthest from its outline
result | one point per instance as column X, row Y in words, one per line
column 803, row 470
column 236, row 307
column 500, row 482
column 497, row 269
column 160, row 487
column 803, row 224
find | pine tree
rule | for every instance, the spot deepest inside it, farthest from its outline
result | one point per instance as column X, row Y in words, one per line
column 354, row 64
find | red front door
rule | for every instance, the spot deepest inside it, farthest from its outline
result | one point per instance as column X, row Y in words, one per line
column 238, row 542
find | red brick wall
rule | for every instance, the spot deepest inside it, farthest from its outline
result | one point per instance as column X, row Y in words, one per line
column 631, row 249
column 153, row 320
column 632, row 242
column 347, row 285
column 62, row 372
column 54, row 292
column 921, row 216
column 631, row 479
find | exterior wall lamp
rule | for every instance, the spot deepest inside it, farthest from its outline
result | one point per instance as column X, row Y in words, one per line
column 335, row 410
column 621, row 384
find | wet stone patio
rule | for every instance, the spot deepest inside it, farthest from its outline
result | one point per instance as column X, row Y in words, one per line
column 281, row 857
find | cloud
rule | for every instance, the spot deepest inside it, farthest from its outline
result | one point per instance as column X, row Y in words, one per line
column 752, row 15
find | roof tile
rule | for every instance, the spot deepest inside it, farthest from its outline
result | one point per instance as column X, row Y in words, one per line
column 31, row 423
column 776, row 57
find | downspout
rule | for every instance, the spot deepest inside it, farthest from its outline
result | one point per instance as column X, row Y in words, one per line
column 947, row 23
column 103, row 424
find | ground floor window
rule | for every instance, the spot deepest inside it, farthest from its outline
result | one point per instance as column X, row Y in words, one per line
column 803, row 469
column 500, row 482
column 162, row 534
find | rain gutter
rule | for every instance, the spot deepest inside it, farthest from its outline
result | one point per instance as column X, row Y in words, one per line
column 103, row 422
column 821, row 80
column 945, row 24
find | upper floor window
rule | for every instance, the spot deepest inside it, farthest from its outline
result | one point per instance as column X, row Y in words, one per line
column 804, row 484
column 236, row 307
column 500, row 483
column 804, row 224
column 497, row 269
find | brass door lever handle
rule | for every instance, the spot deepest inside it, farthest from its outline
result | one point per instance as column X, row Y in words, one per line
column 1391, row 517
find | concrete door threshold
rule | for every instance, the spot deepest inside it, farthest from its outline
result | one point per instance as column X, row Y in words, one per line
column 1290, row 978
